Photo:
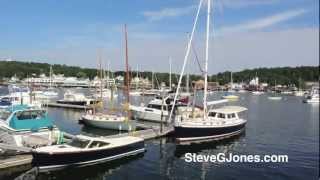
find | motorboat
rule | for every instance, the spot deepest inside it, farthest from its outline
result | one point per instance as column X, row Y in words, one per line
column 77, row 99
column 25, row 123
column 109, row 121
column 299, row 93
column 5, row 102
column 84, row 151
column 257, row 93
column 50, row 93
column 157, row 110
column 230, row 96
column 313, row 96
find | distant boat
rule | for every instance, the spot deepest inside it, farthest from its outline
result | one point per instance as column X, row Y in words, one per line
column 287, row 92
column 299, row 93
column 84, row 151
column 106, row 93
column 157, row 110
column 50, row 93
column 108, row 121
column 135, row 93
column 313, row 96
column 75, row 98
column 257, row 92
column 230, row 97
column 275, row 97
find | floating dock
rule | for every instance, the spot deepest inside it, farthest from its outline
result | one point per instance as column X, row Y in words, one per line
column 69, row 106
column 14, row 164
column 149, row 133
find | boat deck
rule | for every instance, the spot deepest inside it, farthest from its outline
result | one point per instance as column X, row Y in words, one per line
column 70, row 106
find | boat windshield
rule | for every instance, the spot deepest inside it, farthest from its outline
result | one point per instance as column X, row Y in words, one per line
column 80, row 143
column 4, row 114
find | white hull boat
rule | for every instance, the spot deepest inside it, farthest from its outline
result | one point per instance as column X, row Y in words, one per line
column 106, row 121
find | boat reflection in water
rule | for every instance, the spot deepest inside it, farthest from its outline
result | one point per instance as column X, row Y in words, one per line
column 172, row 164
column 98, row 171
column 214, row 146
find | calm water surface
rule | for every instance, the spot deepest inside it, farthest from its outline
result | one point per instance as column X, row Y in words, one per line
column 287, row 127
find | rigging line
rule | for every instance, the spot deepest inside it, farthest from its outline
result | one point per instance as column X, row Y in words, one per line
column 196, row 57
column 185, row 59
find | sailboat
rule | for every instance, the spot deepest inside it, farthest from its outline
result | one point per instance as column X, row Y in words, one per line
column 50, row 93
column 102, row 92
column 211, row 124
column 113, row 121
column 313, row 96
column 299, row 92
column 136, row 92
column 229, row 94
column 274, row 96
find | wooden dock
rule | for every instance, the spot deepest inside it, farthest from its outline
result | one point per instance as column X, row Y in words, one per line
column 69, row 106
column 13, row 164
column 149, row 133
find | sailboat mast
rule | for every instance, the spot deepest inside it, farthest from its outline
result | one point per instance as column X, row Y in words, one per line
column 170, row 76
column 127, row 64
column 50, row 84
column 206, row 63
column 231, row 81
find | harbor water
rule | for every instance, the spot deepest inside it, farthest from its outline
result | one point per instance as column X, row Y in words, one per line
column 285, row 127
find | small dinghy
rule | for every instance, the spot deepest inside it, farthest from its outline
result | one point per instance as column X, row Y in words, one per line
column 84, row 150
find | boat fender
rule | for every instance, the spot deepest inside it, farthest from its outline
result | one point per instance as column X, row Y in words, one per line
column 60, row 138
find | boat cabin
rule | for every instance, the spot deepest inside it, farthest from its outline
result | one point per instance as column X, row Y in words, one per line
column 23, row 117
column 226, row 113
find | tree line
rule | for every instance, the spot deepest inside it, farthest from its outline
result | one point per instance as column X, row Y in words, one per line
column 280, row 75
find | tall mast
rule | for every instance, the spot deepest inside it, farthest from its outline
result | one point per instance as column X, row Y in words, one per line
column 50, row 76
column 206, row 63
column 127, row 64
column 170, row 80
column 152, row 80
column 100, row 69
column 231, row 81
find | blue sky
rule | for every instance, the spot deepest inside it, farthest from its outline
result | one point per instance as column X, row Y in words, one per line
column 247, row 33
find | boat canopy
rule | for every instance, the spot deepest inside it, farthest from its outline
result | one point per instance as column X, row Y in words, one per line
column 229, row 109
column 24, row 117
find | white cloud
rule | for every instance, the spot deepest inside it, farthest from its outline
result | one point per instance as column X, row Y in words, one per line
column 244, row 3
column 262, row 23
column 168, row 12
